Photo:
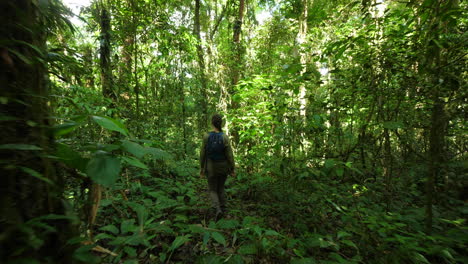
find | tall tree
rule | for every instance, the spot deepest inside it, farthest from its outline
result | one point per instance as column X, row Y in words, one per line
column 30, row 187
column 301, row 41
column 237, row 62
column 237, row 49
column 436, row 76
column 201, row 65
column 105, row 51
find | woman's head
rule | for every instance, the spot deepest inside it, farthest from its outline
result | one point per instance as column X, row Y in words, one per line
column 217, row 121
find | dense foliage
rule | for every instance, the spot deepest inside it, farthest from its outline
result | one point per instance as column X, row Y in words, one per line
column 347, row 119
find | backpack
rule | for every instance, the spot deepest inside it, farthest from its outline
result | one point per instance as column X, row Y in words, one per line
column 215, row 147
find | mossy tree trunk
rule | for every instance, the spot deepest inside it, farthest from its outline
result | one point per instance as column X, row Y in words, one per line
column 30, row 187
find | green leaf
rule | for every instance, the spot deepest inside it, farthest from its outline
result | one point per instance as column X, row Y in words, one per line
column 349, row 243
column 111, row 124
column 103, row 236
column 179, row 241
column 342, row 234
column 158, row 154
column 103, row 169
column 36, row 175
column 63, row 129
column 71, row 157
column 420, row 258
column 219, row 238
column 84, row 254
column 135, row 162
column 329, row 163
column 271, row 233
column 134, row 148
column 130, row 251
column 234, row 259
column 248, row 249
column 111, row 228
column 227, row 223
column 206, row 238
column 196, row 228
column 447, row 254
column 21, row 56
column 211, row 259
column 128, row 226
column 19, row 147
column 53, row 217
column 339, row 258
column 140, row 210
column 339, row 171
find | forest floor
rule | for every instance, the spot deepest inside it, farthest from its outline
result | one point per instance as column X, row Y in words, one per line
column 168, row 220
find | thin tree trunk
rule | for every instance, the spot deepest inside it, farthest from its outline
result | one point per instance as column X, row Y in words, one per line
column 201, row 65
column 236, row 68
column 387, row 166
column 436, row 140
column 105, row 53
column 237, row 29
column 301, row 40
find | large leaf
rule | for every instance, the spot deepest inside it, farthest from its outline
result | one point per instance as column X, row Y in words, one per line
column 71, row 157
column 141, row 212
column 179, row 241
column 19, row 147
column 111, row 124
column 134, row 148
column 111, row 228
column 247, row 249
column 36, row 174
column 65, row 128
column 219, row 238
column 227, row 223
column 135, row 162
column 418, row 258
column 128, row 226
column 158, row 154
column 103, row 169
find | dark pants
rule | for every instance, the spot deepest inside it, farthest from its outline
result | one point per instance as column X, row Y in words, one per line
column 217, row 172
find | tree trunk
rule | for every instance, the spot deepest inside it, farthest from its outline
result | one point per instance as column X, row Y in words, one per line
column 237, row 29
column 105, row 53
column 387, row 167
column 94, row 197
column 30, row 187
column 301, row 40
column 201, row 65
column 436, row 141
column 236, row 67
column 437, row 129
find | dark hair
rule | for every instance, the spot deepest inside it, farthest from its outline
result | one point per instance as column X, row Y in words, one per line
column 217, row 121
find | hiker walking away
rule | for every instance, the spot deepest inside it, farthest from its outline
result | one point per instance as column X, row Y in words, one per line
column 217, row 162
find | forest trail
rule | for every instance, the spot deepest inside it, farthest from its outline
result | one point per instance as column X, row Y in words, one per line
column 177, row 213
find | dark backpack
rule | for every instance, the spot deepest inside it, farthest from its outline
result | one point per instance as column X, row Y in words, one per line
column 215, row 147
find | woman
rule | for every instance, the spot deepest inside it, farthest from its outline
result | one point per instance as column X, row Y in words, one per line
column 216, row 161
